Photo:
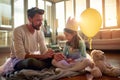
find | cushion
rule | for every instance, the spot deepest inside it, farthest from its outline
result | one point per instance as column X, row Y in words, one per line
column 116, row 33
column 106, row 34
column 106, row 42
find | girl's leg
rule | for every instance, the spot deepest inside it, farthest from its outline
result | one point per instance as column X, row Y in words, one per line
column 81, row 65
column 61, row 64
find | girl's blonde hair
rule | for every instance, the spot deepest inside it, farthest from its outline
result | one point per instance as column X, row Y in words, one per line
column 74, row 43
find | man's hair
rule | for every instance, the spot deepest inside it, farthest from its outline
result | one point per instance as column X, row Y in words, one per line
column 35, row 10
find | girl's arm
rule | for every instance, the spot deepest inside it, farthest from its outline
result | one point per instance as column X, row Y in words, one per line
column 82, row 48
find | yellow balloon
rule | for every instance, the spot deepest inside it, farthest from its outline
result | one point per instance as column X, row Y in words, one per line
column 90, row 22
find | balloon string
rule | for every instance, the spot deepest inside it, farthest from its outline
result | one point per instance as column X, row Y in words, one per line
column 90, row 42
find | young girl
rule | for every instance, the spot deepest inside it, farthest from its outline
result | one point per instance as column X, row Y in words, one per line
column 74, row 54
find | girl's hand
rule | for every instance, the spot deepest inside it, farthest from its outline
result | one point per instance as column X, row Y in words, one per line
column 59, row 56
column 69, row 60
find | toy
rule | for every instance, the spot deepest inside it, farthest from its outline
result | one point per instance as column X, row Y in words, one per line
column 100, row 61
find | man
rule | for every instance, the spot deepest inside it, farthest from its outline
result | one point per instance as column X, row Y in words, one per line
column 29, row 50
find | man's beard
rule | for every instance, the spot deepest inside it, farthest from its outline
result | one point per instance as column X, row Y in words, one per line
column 37, row 27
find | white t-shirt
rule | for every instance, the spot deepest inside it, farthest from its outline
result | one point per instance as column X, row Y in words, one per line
column 26, row 42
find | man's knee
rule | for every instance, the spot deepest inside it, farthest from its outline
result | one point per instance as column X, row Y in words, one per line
column 30, row 61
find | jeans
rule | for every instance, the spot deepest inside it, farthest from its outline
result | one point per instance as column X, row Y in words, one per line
column 32, row 63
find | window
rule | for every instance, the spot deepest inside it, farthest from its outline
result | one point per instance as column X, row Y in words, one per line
column 5, row 38
column 80, row 7
column 69, row 9
column 48, row 11
column 5, row 23
column 31, row 3
column 47, row 19
column 18, row 13
column 110, row 13
column 5, row 14
column 60, row 16
column 97, row 4
column 104, row 7
column 40, row 4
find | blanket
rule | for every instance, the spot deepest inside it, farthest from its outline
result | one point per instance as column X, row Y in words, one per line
column 45, row 74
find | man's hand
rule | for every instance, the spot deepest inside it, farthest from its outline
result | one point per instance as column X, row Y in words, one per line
column 49, row 53
column 59, row 56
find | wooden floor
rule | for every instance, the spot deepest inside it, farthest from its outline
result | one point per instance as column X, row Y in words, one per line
column 112, row 56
